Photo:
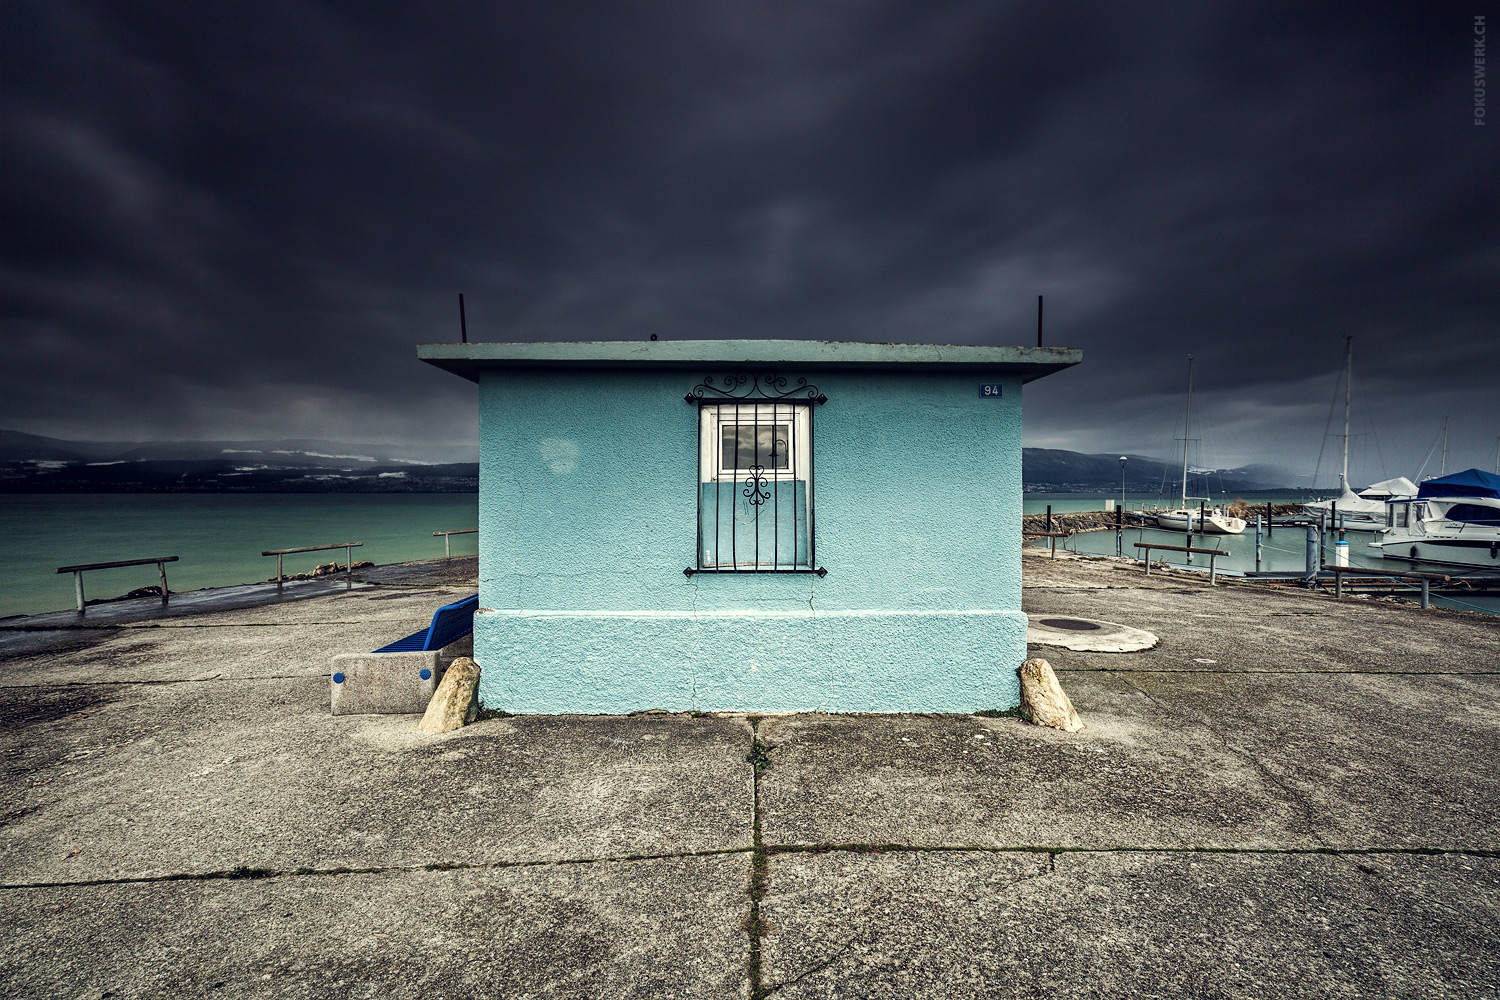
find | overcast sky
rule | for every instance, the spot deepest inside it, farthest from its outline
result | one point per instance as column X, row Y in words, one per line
column 237, row 220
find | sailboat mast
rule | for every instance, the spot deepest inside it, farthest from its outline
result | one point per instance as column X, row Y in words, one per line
column 1187, row 429
column 1444, row 470
column 1348, row 377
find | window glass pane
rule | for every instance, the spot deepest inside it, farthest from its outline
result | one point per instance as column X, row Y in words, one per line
column 744, row 446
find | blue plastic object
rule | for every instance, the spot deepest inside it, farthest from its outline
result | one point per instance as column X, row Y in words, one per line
column 338, row 678
column 449, row 623
column 426, row 674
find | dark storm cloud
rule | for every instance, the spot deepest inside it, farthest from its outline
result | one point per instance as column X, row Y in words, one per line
column 237, row 220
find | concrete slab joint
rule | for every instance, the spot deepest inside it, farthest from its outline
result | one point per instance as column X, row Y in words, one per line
column 391, row 683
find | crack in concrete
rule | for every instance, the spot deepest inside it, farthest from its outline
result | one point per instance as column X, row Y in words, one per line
column 173, row 680
column 245, row 873
column 817, row 967
column 1297, row 799
column 145, row 626
column 1319, row 670
column 759, row 760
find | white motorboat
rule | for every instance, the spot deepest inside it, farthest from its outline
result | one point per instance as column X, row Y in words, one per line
column 1452, row 521
column 1212, row 520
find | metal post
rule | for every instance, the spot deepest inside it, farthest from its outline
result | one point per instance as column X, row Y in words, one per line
column 1148, row 560
column 447, row 549
column 1269, row 520
column 1314, row 552
column 1426, row 593
column 1211, row 566
column 278, row 571
column 1120, row 530
column 1338, row 585
column 78, row 588
column 161, row 571
column 1257, row 543
column 1049, row 519
column 348, row 567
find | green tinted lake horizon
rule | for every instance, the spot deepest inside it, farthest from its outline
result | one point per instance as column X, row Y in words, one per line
column 218, row 537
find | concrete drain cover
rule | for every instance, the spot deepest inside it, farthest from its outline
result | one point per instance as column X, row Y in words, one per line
column 1086, row 635
column 1071, row 624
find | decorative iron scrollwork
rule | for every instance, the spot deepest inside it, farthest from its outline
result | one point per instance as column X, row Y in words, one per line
column 755, row 483
column 743, row 387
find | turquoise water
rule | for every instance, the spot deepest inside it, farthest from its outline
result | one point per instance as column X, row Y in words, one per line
column 219, row 537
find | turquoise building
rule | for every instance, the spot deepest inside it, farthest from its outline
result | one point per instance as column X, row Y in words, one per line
column 759, row 526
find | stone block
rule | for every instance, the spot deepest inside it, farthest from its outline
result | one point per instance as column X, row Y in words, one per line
column 390, row 683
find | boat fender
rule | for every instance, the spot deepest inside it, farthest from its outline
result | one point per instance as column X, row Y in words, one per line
column 1414, row 552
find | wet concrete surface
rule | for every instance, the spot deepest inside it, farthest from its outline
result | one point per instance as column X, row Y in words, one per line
column 1287, row 796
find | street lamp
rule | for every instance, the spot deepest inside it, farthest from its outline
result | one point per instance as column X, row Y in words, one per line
column 1120, row 531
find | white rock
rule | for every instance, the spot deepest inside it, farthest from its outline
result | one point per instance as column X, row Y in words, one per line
column 455, row 703
column 1044, row 699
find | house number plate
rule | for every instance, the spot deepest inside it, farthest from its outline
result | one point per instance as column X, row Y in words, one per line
column 989, row 390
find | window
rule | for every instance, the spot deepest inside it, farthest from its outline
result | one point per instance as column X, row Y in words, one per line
column 755, row 483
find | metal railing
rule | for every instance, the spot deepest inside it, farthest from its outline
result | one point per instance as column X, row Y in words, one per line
column 78, row 571
column 1052, row 535
column 1339, row 572
column 349, row 548
column 447, row 549
column 1211, row 553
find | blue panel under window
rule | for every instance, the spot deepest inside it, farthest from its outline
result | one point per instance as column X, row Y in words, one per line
column 741, row 533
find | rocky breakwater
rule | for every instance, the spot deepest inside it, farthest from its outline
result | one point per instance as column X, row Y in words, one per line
column 1079, row 521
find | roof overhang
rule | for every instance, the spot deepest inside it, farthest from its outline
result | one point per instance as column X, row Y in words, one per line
column 1028, row 363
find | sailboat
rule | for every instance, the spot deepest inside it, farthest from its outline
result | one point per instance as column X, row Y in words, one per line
column 1211, row 521
column 1365, row 510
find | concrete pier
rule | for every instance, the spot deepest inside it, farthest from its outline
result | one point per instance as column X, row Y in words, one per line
column 1287, row 795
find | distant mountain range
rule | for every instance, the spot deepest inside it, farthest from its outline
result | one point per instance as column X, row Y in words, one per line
column 33, row 464
column 1049, row 470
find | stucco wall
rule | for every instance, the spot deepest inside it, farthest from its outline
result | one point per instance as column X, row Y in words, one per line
column 587, row 516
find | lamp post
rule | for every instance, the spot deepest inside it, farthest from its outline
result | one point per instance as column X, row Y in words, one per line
column 1120, row 517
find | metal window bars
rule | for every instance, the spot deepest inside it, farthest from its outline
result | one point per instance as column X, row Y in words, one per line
column 755, row 484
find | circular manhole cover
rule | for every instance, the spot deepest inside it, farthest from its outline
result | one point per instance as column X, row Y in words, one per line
column 1071, row 624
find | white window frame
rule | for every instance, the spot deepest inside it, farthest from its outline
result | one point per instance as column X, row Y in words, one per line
column 715, row 416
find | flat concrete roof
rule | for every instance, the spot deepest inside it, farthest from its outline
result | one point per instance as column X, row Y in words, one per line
column 1030, row 363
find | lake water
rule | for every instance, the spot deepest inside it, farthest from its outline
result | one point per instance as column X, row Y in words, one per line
column 219, row 537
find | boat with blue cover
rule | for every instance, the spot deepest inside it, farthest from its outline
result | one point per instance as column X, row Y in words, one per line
column 1452, row 521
